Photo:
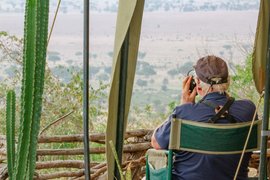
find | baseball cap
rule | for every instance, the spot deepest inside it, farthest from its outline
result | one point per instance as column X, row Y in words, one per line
column 212, row 70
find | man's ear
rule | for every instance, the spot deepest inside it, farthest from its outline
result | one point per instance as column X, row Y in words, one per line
column 197, row 81
column 199, row 88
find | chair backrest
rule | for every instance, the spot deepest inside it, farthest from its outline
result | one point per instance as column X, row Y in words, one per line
column 204, row 138
column 213, row 138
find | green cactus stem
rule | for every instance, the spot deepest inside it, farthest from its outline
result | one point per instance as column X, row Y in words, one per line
column 34, row 60
column 10, row 130
column 27, row 94
column 41, row 48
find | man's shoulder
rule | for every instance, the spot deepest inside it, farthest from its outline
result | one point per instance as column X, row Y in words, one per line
column 191, row 111
column 243, row 110
column 186, row 106
column 246, row 103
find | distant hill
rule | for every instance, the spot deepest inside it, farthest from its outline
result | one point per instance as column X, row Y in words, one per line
column 71, row 6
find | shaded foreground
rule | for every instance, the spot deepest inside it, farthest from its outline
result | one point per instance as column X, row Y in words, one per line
column 137, row 142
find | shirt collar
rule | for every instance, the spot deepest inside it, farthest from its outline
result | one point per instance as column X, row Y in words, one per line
column 214, row 96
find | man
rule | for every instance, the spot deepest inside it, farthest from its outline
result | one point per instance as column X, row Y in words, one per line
column 212, row 81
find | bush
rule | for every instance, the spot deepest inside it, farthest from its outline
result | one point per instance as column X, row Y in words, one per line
column 103, row 77
column 110, row 54
column 184, row 69
column 164, row 88
column 173, row 72
column 144, row 68
column 54, row 58
column 93, row 70
column 79, row 53
column 108, row 70
column 165, row 81
column 141, row 55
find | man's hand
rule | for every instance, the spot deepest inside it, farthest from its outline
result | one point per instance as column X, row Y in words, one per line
column 187, row 96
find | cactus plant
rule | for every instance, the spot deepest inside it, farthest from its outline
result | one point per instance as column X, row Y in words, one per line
column 34, row 60
column 41, row 47
column 10, row 130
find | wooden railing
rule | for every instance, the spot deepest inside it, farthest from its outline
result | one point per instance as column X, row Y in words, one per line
column 136, row 144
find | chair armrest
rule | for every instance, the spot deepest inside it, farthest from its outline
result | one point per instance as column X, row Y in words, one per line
column 157, row 165
column 157, row 158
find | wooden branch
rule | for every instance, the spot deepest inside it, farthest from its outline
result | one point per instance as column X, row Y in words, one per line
column 2, row 160
column 64, row 164
column 128, row 148
column 54, row 122
column 100, row 142
column 3, row 138
column 94, row 164
column 60, row 164
column 99, row 166
column 3, row 152
column 74, row 151
column 60, row 174
column 134, row 164
column 136, row 161
column 4, row 173
column 98, row 150
column 99, row 172
column 61, row 139
column 93, row 137
column 137, row 133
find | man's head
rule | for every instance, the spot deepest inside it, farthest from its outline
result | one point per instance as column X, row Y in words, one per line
column 212, row 72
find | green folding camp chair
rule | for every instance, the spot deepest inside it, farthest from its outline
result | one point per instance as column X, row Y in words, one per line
column 190, row 136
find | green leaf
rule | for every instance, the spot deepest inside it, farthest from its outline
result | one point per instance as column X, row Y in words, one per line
column 128, row 172
column 117, row 160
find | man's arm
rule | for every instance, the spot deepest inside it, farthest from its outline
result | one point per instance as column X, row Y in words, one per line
column 160, row 136
column 163, row 131
column 154, row 142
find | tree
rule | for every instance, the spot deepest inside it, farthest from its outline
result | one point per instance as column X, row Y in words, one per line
column 165, row 81
column 141, row 83
column 144, row 68
column 141, row 55
column 108, row 69
column 173, row 72
column 242, row 85
column 164, row 88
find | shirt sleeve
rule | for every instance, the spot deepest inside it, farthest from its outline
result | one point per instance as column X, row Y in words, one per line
column 162, row 134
